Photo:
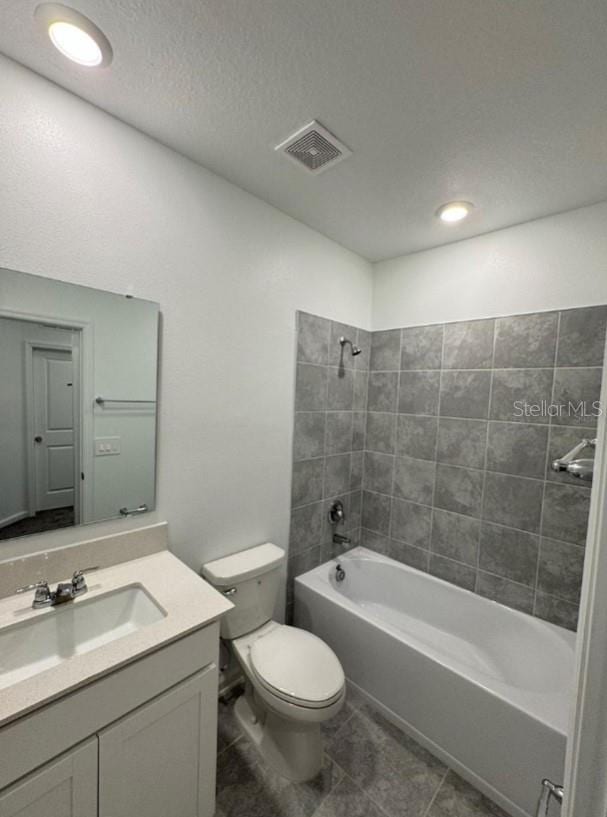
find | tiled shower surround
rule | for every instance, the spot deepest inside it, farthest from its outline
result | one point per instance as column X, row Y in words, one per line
column 328, row 438
column 457, row 452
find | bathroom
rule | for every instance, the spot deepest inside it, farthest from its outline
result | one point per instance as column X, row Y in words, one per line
column 320, row 294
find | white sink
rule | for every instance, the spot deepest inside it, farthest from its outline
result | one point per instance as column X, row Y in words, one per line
column 70, row 629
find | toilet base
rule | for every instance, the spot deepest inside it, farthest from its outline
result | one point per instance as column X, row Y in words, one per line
column 292, row 749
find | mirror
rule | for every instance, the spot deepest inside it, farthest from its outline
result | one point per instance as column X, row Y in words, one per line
column 78, row 380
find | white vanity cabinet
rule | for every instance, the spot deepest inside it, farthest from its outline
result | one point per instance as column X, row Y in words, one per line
column 140, row 740
column 158, row 761
column 65, row 787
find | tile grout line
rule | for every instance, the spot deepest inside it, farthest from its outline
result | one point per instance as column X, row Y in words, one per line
column 438, row 418
column 333, row 787
column 467, row 565
column 471, row 369
column 486, row 457
column 527, row 477
column 546, row 424
column 435, row 795
column 546, row 460
column 467, row 516
column 397, row 402
column 379, row 806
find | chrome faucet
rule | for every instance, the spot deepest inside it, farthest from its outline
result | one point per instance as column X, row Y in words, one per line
column 337, row 516
column 65, row 591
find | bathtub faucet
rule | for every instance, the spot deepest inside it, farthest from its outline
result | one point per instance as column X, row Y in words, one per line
column 338, row 539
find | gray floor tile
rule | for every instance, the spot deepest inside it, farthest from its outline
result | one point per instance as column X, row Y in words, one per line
column 393, row 770
column 227, row 728
column 347, row 800
column 332, row 727
column 370, row 769
column 301, row 799
column 246, row 785
column 456, row 798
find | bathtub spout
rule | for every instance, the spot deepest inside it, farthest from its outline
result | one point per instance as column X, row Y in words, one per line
column 338, row 539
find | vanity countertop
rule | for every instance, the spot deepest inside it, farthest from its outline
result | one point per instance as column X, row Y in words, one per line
column 187, row 601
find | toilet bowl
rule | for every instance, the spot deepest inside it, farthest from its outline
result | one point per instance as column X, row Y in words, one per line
column 293, row 680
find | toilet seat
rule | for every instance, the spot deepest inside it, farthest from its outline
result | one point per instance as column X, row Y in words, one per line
column 297, row 667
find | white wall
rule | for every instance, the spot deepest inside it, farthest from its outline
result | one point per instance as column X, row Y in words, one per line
column 552, row 263
column 89, row 200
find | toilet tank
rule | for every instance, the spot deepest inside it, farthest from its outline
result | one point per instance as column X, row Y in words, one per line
column 251, row 580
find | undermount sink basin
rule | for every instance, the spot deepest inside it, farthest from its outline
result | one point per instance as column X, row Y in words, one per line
column 74, row 628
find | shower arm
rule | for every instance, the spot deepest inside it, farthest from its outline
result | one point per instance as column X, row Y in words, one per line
column 354, row 349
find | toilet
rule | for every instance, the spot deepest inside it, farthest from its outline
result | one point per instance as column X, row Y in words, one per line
column 294, row 681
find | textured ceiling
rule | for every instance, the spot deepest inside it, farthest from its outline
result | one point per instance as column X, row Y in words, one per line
column 502, row 102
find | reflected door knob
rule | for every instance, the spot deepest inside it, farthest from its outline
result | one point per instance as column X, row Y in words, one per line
column 38, row 438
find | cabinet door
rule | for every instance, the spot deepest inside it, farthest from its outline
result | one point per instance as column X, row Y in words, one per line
column 66, row 787
column 159, row 761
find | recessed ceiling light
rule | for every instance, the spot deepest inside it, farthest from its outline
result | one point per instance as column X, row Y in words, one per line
column 454, row 211
column 74, row 35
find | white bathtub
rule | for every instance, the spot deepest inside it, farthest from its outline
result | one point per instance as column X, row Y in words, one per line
column 484, row 687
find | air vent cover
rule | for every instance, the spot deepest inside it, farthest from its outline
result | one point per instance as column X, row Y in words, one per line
column 314, row 148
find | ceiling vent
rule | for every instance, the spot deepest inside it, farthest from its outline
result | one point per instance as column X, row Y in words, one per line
column 314, row 148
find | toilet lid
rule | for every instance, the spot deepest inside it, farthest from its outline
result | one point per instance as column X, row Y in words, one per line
column 297, row 666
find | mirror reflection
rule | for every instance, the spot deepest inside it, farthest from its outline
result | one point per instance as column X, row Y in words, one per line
column 78, row 375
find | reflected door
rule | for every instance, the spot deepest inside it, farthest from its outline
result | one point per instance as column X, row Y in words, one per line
column 54, row 428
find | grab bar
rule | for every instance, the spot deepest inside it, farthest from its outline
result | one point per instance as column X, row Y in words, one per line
column 582, row 468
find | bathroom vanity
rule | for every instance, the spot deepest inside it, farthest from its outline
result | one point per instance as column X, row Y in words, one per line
column 108, row 703
column 108, row 680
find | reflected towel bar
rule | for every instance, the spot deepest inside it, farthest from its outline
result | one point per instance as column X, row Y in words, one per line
column 134, row 511
column 101, row 400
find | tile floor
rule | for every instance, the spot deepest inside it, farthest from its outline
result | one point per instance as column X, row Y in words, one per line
column 371, row 769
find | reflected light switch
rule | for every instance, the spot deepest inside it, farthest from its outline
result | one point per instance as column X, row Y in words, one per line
column 107, row 446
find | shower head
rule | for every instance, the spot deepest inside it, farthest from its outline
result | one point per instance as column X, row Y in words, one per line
column 355, row 349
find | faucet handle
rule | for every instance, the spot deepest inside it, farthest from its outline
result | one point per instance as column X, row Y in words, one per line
column 79, row 580
column 35, row 586
column 42, row 596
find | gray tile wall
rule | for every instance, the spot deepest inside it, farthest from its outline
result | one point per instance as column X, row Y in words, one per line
column 455, row 482
column 328, row 439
